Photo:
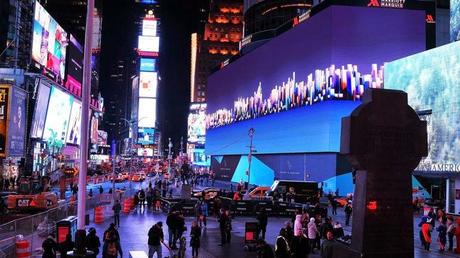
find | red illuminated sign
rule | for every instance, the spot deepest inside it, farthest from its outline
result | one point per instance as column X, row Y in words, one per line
column 430, row 19
column 374, row 3
column 372, row 205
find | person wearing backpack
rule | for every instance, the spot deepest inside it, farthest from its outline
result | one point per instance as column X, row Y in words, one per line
column 195, row 234
column 156, row 238
column 111, row 243
column 92, row 242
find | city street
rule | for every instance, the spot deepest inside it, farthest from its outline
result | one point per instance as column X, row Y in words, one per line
column 134, row 227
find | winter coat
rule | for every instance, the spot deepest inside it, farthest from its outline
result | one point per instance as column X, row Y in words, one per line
column 298, row 225
column 312, row 230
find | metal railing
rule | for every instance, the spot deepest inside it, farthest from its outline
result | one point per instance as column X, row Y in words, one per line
column 35, row 228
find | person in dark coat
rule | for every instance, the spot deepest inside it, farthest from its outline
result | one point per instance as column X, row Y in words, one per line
column 327, row 247
column 264, row 250
column 156, row 238
column 282, row 248
column 223, row 223
column 325, row 227
column 49, row 247
column 195, row 234
column 262, row 220
column 92, row 242
column 66, row 246
column 442, row 236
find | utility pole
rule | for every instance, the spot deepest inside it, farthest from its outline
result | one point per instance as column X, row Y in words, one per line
column 84, row 127
column 170, row 145
column 251, row 150
column 114, row 163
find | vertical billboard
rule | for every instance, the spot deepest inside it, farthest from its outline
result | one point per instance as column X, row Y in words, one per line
column 197, row 123
column 454, row 20
column 17, row 122
column 148, row 45
column 94, row 129
column 4, row 100
column 41, row 106
column 73, row 133
column 147, row 112
column 74, row 71
column 148, row 84
column 57, row 118
column 149, row 27
column 49, row 43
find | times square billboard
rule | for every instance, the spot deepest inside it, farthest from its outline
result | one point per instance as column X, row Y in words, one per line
column 295, row 89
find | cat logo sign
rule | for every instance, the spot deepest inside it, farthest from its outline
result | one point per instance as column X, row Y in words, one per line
column 23, row 202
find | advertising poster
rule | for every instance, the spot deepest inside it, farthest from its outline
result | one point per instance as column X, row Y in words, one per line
column 149, row 44
column 94, row 129
column 197, row 123
column 74, row 75
column 148, row 83
column 145, row 152
column 41, row 105
column 101, row 137
column 147, row 112
column 73, row 134
column 17, row 125
column 4, row 99
column 149, row 27
column 49, row 43
column 57, row 118
column 148, row 65
column 146, row 136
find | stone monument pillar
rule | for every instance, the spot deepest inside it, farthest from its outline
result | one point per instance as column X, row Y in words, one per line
column 384, row 140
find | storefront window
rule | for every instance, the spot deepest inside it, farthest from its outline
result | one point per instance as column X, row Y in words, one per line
column 451, row 198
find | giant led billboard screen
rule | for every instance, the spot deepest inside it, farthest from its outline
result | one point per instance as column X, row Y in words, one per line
column 148, row 82
column 49, row 42
column 5, row 92
column 41, row 106
column 74, row 71
column 431, row 80
column 149, row 27
column 17, row 124
column 331, row 57
column 147, row 112
column 146, row 136
column 148, row 44
column 197, row 123
column 73, row 133
column 454, row 20
column 57, row 118
column 148, row 64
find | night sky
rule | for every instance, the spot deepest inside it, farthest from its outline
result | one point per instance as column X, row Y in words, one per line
column 179, row 18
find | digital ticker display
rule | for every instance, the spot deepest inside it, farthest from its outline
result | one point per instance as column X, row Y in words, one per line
column 294, row 89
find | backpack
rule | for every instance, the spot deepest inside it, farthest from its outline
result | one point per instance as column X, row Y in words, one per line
column 112, row 249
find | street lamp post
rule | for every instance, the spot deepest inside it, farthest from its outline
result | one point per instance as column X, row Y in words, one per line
column 251, row 149
column 170, row 145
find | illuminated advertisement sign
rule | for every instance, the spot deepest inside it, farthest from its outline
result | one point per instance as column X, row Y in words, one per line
column 4, row 100
column 148, row 65
column 295, row 88
column 148, row 45
column 73, row 134
column 57, row 118
column 102, row 137
column 147, row 112
column 431, row 80
column 149, row 27
column 17, row 124
column 41, row 105
column 454, row 20
column 148, row 82
column 197, row 123
column 145, row 152
column 74, row 74
column 49, row 42
column 146, row 136
column 94, row 129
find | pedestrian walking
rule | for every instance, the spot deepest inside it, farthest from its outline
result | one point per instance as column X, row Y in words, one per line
column 66, row 246
column 425, row 232
column 334, row 206
column 101, row 190
column 49, row 247
column 195, row 235
column 111, row 249
column 156, row 239
column 282, row 248
column 92, row 242
column 171, row 222
column 348, row 210
column 228, row 227
column 116, row 212
column 141, row 196
column 312, row 234
column 223, row 223
column 262, row 221
column 327, row 247
column 442, row 236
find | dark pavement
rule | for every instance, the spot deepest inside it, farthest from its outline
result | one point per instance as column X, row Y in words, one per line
column 134, row 228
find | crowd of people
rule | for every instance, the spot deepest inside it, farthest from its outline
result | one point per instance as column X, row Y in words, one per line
column 446, row 227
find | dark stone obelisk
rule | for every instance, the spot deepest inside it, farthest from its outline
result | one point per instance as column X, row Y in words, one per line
column 384, row 140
